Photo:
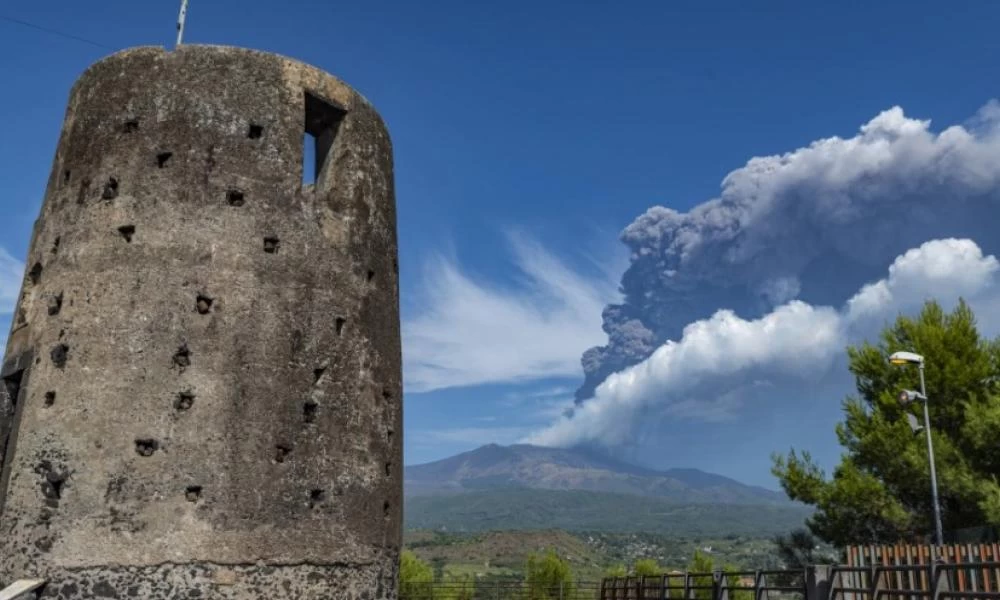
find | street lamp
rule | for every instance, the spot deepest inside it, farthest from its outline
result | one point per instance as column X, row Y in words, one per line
column 907, row 396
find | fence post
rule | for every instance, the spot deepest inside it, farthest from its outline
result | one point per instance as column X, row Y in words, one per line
column 720, row 591
column 940, row 581
column 497, row 586
column 817, row 582
column 560, row 589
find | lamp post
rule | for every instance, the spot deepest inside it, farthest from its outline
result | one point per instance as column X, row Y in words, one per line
column 910, row 358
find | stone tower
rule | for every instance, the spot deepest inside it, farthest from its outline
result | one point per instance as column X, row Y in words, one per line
column 202, row 386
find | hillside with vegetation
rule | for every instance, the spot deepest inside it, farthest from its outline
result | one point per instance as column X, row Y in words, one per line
column 520, row 508
column 493, row 467
column 590, row 555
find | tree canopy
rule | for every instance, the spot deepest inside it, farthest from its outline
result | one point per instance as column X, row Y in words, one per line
column 416, row 578
column 547, row 576
column 880, row 492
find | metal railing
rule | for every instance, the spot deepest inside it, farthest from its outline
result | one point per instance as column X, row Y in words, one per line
column 500, row 590
column 941, row 581
column 717, row 585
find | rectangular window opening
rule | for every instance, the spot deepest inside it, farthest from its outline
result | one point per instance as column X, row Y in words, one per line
column 322, row 121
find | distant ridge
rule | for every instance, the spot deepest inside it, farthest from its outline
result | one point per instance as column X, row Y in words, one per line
column 534, row 467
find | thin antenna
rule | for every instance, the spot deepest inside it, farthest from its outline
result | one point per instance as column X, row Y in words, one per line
column 180, row 21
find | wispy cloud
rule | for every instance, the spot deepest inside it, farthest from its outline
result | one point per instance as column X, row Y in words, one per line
column 469, row 332
column 11, row 271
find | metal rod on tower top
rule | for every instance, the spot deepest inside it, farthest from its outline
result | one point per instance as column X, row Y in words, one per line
column 180, row 21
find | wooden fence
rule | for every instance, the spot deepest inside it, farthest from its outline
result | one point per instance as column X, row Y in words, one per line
column 972, row 567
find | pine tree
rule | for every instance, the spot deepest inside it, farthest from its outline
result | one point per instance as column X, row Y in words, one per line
column 880, row 492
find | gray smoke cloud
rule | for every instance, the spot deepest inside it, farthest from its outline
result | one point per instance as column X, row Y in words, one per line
column 813, row 224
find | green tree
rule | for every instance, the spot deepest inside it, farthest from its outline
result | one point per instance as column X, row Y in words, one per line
column 456, row 588
column 547, row 576
column 701, row 567
column 416, row 578
column 616, row 571
column 799, row 549
column 437, row 565
column 880, row 492
column 646, row 566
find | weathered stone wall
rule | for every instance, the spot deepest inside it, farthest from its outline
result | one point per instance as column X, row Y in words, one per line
column 203, row 380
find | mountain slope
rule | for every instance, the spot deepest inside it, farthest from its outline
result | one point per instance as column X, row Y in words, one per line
column 527, row 509
column 524, row 466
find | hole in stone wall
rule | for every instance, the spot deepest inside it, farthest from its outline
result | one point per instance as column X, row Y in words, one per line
column 182, row 358
column 203, row 304
column 255, row 131
column 234, row 198
column 318, row 374
column 55, row 244
column 127, row 231
column 309, row 410
column 281, row 453
column 53, row 486
column 371, row 275
column 388, row 435
column 55, row 304
column 131, row 126
column 146, row 446
column 271, row 245
column 53, row 482
column 35, row 274
column 385, row 509
column 340, row 325
column 162, row 158
column 50, row 398
column 66, row 175
column 316, row 497
column 386, row 394
column 192, row 493
column 388, row 469
column 59, row 355
column 110, row 189
column 184, row 400
column 81, row 195
column 322, row 121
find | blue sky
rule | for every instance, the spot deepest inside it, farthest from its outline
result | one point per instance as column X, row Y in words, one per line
column 527, row 136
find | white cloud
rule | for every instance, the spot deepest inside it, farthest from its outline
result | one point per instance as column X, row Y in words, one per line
column 469, row 332
column 11, row 272
column 701, row 374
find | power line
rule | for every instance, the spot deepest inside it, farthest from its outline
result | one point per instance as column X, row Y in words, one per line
column 54, row 32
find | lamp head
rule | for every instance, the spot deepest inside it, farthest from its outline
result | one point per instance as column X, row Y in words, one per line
column 907, row 396
column 906, row 358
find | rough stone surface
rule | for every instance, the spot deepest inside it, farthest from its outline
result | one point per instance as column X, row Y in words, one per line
column 202, row 387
